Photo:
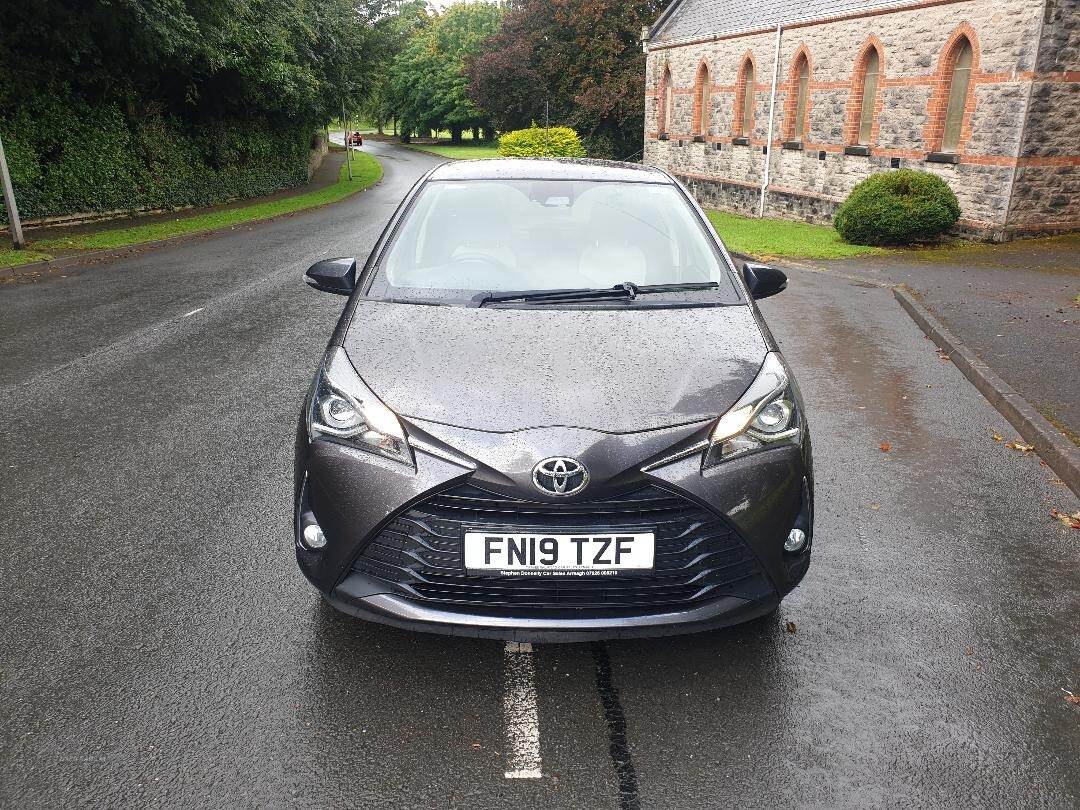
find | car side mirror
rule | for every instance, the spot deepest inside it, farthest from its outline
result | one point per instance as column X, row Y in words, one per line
column 333, row 276
column 763, row 280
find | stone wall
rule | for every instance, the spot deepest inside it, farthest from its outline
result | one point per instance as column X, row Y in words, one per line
column 1046, row 192
column 996, row 154
column 319, row 148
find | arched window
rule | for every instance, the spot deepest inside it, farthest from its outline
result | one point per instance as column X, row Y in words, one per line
column 744, row 100
column 959, row 81
column 666, row 100
column 864, row 95
column 797, row 101
column 802, row 97
column 702, row 112
column 948, row 111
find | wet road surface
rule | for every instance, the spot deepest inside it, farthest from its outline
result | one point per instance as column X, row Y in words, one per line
column 1016, row 305
column 158, row 646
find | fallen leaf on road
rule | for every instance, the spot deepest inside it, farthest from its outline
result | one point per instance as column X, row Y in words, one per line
column 943, row 355
column 790, row 627
column 969, row 651
column 875, row 506
column 997, row 437
column 885, row 447
column 1019, row 445
column 1071, row 698
column 1072, row 521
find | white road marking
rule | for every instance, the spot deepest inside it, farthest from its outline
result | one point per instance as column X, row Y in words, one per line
column 519, row 709
column 189, row 314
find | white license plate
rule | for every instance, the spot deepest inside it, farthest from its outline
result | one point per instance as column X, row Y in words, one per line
column 533, row 554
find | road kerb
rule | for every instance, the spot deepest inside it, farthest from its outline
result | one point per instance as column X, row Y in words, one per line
column 1054, row 448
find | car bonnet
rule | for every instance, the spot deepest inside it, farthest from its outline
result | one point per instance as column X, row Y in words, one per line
column 505, row 369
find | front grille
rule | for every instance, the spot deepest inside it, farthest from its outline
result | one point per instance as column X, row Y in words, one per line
column 698, row 556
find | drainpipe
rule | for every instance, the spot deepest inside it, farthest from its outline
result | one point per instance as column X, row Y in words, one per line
column 768, row 139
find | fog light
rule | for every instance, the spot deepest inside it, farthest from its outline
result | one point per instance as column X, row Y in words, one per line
column 314, row 538
column 795, row 542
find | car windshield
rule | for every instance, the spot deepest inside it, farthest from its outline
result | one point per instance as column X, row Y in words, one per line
column 464, row 239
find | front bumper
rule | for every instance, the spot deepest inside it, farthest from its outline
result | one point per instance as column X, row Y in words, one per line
column 379, row 566
column 399, row 612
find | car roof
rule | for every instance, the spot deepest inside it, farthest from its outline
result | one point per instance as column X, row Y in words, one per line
column 548, row 169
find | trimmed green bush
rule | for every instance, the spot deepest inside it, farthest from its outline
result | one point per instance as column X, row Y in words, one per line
column 897, row 208
column 541, row 142
column 70, row 156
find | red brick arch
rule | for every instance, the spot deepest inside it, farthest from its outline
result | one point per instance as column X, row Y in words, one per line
column 740, row 93
column 701, row 79
column 664, row 90
column 858, row 79
column 790, row 102
column 938, row 104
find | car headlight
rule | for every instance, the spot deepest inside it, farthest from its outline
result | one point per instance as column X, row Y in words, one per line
column 345, row 409
column 764, row 416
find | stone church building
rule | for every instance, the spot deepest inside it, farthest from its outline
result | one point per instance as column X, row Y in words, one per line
column 783, row 106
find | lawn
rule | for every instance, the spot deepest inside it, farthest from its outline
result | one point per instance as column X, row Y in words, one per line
column 10, row 257
column 768, row 238
column 366, row 172
column 458, row 152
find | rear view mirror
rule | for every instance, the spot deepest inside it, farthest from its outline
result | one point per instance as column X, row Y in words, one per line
column 763, row 280
column 333, row 276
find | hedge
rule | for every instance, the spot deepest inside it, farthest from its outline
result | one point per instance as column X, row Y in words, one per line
column 68, row 156
column 541, row 142
column 897, row 208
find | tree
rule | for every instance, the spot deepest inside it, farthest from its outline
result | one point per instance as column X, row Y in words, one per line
column 93, row 91
column 393, row 33
column 429, row 84
column 582, row 57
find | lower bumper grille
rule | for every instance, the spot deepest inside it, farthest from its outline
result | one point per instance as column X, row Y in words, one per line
column 698, row 556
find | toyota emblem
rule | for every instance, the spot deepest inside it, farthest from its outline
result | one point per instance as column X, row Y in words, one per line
column 560, row 476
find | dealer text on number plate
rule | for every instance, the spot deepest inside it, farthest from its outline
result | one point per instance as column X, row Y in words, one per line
column 536, row 554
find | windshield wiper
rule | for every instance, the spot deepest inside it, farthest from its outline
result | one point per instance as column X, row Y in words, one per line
column 627, row 290
column 582, row 294
column 645, row 289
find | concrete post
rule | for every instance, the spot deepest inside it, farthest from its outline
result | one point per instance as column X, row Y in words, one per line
column 9, row 202
column 348, row 149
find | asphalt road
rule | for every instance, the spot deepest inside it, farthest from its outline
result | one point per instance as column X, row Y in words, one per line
column 158, row 646
column 1016, row 305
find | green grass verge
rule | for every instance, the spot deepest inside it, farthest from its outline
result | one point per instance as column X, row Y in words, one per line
column 10, row 258
column 768, row 238
column 464, row 152
column 366, row 172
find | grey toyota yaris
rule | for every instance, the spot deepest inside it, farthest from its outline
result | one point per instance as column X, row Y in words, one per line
column 551, row 411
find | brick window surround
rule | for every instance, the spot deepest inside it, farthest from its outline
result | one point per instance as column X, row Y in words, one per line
column 938, row 104
column 702, row 94
column 739, row 125
column 802, row 55
column 853, row 121
column 664, row 100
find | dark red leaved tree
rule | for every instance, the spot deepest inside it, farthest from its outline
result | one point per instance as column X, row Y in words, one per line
column 582, row 57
